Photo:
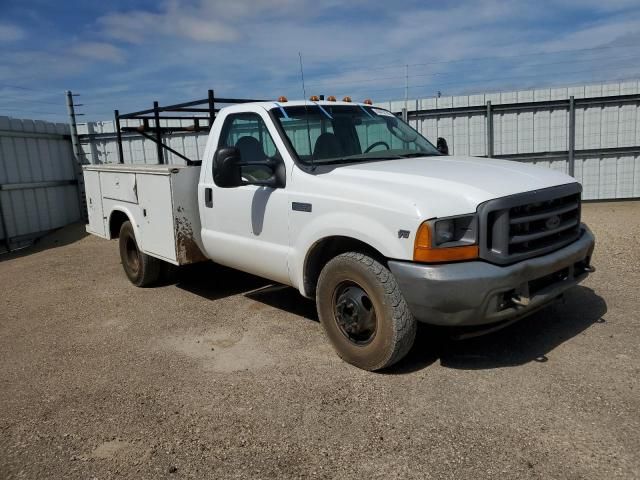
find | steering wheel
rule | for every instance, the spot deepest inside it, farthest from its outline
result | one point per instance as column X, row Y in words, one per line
column 374, row 145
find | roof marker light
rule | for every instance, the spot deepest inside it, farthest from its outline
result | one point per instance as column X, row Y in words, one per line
column 368, row 101
column 346, row 99
column 331, row 98
column 282, row 99
column 314, row 98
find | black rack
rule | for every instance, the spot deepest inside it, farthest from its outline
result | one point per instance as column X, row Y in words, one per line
column 201, row 123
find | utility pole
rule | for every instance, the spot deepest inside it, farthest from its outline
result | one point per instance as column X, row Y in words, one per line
column 77, row 152
column 489, row 130
column 405, row 112
column 572, row 137
column 73, row 126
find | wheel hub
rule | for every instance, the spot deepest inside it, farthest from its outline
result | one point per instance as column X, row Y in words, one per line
column 354, row 313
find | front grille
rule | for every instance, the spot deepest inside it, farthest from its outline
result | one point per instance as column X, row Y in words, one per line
column 526, row 225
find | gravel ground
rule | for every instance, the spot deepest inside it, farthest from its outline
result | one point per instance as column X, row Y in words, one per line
column 225, row 376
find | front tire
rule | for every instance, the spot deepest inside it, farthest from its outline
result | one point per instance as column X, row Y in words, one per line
column 363, row 312
column 141, row 269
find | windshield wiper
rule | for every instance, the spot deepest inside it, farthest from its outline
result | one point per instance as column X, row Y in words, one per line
column 419, row 154
column 358, row 159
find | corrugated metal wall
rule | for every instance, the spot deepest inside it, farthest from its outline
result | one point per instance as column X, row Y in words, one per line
column 542, row 130
column 38, row 185
column 533, row 131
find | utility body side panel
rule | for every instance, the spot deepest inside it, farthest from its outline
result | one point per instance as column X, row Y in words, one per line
column 160, row 201
column 186, row 216
column 94, row 203
column 157, row 236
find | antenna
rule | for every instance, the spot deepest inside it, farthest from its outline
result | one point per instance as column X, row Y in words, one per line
column 306, row 111
column 304, row 92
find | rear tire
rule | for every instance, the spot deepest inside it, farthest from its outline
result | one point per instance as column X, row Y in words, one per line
column 363, row 312
column 141, row 269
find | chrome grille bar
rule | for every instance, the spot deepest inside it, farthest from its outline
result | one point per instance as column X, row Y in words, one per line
column 546, row 233
column 544, row 215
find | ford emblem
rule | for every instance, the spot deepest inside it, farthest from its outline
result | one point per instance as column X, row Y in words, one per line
column 552, row 222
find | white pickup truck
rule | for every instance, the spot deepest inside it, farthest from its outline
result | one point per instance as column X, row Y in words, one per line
column 355, row 209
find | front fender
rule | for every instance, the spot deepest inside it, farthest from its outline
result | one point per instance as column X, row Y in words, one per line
column 383, row 237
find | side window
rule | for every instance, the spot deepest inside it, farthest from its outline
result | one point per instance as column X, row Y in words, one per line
column 248, row 133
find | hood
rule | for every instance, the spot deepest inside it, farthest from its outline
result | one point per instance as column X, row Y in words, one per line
column 446, row 185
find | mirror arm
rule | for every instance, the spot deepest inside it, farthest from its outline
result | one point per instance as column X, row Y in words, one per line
column 271, row 163
column 275, row 181
column 270, row 182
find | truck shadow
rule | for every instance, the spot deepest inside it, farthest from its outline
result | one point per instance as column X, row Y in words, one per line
column 529, row 340
column 214, row 282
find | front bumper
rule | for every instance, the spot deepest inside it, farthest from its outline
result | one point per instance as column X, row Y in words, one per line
column 481, row 293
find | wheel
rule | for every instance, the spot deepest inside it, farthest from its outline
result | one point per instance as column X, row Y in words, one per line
column 363, row 312
column 141, row 269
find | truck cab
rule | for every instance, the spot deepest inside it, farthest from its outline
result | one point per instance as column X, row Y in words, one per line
column 359, row 212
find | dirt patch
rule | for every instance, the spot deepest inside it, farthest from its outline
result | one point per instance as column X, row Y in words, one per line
column 222, row 353
column 110, row 449
column 187, row 249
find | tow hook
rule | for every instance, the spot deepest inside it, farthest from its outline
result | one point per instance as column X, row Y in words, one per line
column 520, row 300
column 589, row 268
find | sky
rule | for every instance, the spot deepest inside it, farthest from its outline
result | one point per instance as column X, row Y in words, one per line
column 123, row 55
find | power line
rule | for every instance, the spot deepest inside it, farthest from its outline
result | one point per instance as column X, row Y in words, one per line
column 18, row 99
column 20, row 87
column 434, row 74
column 592, row 82
column 369, row 79
column 35, row 112
column 494, row 57
column 480, row 81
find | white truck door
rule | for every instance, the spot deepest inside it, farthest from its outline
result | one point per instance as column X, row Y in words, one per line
column 247, row 227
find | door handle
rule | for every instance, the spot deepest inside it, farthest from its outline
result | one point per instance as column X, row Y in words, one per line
column 208, row 197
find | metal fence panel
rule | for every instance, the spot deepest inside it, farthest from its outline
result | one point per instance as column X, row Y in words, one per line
column 38, row 190
column 534, row 132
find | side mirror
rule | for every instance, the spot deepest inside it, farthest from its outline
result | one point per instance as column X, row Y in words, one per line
column 278, row 178
column 442, row 146
column 226, row 167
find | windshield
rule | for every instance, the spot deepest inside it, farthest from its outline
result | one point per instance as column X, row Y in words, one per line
column 326, row 134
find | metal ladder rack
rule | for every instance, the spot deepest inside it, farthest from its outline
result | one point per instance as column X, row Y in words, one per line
column 204, row 109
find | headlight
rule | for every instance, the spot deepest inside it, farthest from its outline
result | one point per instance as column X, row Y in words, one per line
column 447, row 239
column 455, row 231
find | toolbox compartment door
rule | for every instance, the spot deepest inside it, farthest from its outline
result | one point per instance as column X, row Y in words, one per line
column 119, row 186
column 94, row 203
column 157, row 235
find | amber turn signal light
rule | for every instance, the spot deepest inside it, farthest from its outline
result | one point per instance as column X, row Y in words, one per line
column 423, row 250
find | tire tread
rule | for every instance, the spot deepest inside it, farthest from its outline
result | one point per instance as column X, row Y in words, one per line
column 403, row 323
